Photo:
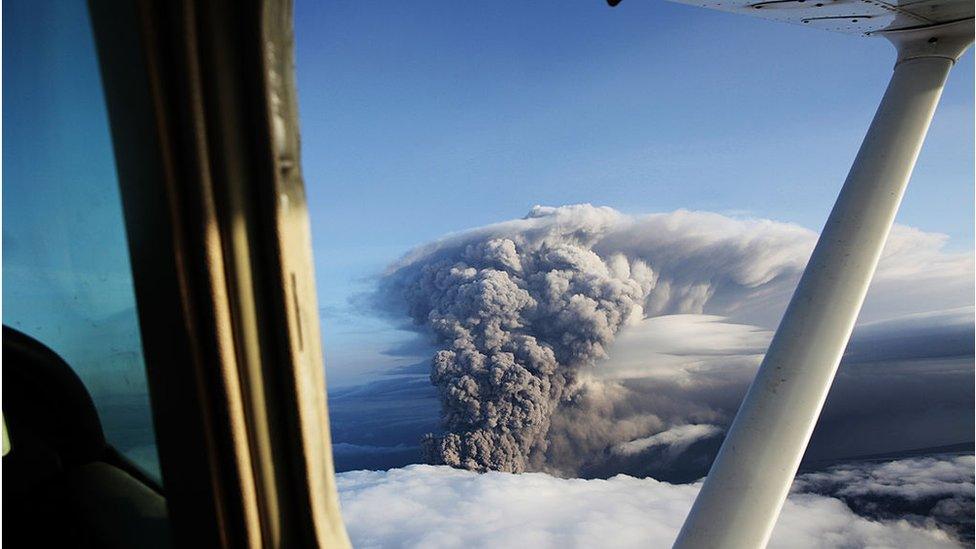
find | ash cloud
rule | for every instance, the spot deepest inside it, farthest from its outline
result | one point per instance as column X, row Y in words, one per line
column 517, row 317
column 525, row 313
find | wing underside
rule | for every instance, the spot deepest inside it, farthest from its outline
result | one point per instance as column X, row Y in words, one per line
column 848, row 16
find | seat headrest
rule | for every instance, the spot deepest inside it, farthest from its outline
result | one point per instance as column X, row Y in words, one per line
column 46, row 406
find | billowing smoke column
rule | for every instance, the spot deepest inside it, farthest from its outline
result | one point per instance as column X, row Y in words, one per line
column 520, row 311
column 517, row 317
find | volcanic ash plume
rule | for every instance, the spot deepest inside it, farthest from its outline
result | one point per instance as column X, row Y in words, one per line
column 520, row 311
column 517, row 317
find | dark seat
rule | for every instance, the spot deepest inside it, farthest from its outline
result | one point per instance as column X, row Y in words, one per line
column 63, row 484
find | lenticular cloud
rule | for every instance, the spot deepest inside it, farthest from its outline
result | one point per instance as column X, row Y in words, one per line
column 676, row 440
column 522, row 311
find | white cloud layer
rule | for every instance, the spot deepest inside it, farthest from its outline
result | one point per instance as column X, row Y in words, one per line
column 440, row 507
column 909, row 479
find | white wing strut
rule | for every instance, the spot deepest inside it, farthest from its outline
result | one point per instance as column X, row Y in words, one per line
column 749, row 481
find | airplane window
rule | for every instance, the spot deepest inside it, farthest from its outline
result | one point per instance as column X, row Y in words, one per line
column 555, row 239
column 66, row 275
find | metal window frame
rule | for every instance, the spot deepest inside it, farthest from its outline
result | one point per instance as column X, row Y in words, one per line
column 202, row 109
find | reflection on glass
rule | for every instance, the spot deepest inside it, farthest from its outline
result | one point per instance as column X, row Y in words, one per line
column 66, row 276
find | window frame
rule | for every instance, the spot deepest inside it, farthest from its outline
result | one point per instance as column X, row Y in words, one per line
column 203, row 116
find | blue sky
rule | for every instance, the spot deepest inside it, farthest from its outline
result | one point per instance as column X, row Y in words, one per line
column 422, row 118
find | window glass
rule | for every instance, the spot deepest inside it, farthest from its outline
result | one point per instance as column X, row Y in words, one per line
column 66, row 275
column 557, row 238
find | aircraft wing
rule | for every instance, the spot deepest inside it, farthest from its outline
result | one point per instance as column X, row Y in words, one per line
column 848, row 16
